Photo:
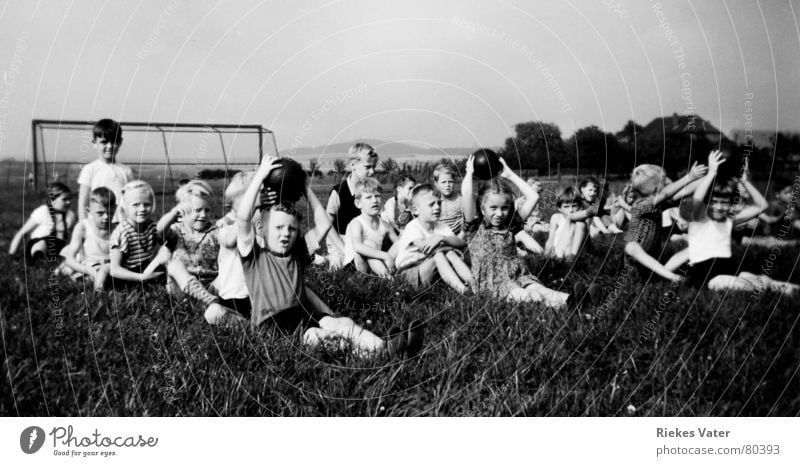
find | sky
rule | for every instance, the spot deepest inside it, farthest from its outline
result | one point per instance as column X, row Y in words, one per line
column 431, row 73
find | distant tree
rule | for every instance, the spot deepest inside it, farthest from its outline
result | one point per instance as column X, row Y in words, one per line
column 389, row 165
column 536, row 145
column 313, row 168
column 340, row 167
column 630, row 132
column 591, row 149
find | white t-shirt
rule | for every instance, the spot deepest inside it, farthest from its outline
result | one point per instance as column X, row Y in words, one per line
column 709, row 239
column 409, row 255
column 46, row 226
column 113, row 176
column 230, row 282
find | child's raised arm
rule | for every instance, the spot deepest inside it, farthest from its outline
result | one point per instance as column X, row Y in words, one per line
column 467, row 189
column 322, row 222
column 715, row 159
column 671, row 190
column 757, row 204
column 526, row 190
column 244, row 216
column 183, row 208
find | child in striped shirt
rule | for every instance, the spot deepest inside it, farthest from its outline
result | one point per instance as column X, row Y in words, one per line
column 133, row 246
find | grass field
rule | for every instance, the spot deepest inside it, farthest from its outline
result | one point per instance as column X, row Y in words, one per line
column 648, row 350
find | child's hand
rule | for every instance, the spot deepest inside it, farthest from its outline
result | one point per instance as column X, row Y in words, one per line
column 698, row 171
column 389, row 261
column 715, row 159
column 183, row 209
column 269, row 197
column 470, row 169
column 268, row 163
column 505, row 172
column 430, row 244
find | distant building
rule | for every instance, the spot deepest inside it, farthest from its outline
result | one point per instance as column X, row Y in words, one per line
column 691, row 125
column 760, row 139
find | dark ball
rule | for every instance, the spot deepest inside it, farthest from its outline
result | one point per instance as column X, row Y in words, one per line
column 487, row 164
column 288, row 180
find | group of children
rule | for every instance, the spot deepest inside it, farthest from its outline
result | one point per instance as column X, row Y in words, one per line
column 248, row 265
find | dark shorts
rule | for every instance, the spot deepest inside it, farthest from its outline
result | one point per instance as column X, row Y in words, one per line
column 118, row 284
column 240, row 306
column 699, row 274
column 52, row 250
column 289, row 320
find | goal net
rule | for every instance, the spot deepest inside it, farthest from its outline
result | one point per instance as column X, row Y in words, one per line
column 163, row 154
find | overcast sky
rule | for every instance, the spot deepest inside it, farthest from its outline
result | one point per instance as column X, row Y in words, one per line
column 434, row 73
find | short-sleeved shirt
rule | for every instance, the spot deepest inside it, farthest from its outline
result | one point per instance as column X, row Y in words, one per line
column 409, row 255
column 274, row 282
column 138, row 244
column 645, row 224
column 113, row 176
column 198, row 251
column 453, row 214
column 230, row 282
column 396, row 215
column 46, row 224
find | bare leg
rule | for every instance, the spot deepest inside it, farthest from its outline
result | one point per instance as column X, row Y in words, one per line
column 379, row 268
column 427, row 271
column 361, row 264
column 635, row 250
column 101, row 277
column 447, row 273
column 578, row 235
column 553, row 298
column 314, row 301
column 364, row 340
column 461, row 269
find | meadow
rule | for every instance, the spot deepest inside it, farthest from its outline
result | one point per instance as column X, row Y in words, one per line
column 649, row 349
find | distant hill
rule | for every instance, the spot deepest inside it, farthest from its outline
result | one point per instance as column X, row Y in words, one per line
column 384, row 148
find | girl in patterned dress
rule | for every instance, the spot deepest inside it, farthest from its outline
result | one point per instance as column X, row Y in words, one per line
column 491, row 226
column 189, row 227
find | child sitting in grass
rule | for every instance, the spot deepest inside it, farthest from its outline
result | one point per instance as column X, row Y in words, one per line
column 428, row 247
column 273, row 270
column 643, row 237
column 621, row 210
column 397, row 209
column 49, row 226
column 710, row 229
column 444, row 178
column 341, row 207
column 134, row 243
column 367, row 233
column 194, row 237
column 87, row 253
column 566, row 235
column 592, row 205
column 230, row 283
column 491, row 230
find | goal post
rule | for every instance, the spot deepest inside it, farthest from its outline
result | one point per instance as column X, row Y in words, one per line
column 162, row 152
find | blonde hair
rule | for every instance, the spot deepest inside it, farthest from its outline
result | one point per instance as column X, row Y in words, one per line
column 198, row 188
column 647, row 178
column 238, row 185
column 442, row 169
column 367, row 185
column 133, row 186
column 360, row 150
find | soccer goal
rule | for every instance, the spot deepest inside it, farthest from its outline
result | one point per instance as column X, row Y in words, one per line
column 162, row 154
